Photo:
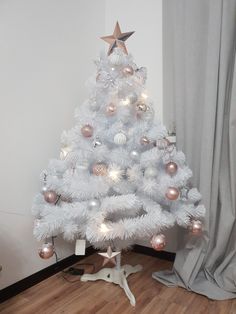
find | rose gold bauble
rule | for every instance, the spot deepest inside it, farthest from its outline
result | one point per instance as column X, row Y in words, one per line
column 158, row 242
column 171, row 168
column 162, row 143
column 172, row 193
column 111, row 109
column 46, row 251
column 196, row 227
column 87, row 130
column 99, row 169
column 128, row 70
column 144, row 140
column 50, row 196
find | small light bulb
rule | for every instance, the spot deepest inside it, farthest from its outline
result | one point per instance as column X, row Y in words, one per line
column 144, row 95
column 104, row 228
column 126, row 101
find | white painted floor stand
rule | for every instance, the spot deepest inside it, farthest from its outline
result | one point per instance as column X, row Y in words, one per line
column 116, row 275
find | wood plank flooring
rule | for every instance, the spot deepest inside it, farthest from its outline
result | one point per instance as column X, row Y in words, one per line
column 55, row 295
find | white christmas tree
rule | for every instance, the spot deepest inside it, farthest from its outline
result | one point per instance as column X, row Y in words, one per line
column 119, row 178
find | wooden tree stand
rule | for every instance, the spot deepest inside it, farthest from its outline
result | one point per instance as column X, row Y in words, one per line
column 116, row 275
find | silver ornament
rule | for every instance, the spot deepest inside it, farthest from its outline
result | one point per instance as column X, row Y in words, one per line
column 94, row 204
column 44, row 189
column 97, row 142
column 134, row 154
column 120, row 139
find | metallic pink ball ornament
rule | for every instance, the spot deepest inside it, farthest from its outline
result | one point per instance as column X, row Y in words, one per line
column 196, row 227
column 171, row 168
column 111, row 109
column 158, row 242
column 99, row 169
column 128, row 70
column 50, row 197
column 144, row 140
column 172, row 193
column 46, row 251
column 87, row 130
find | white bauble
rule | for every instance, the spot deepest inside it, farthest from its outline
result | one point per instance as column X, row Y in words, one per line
column 116, row 59
column 134, row 154
column 132, row 97
column 94, row 204
column 120, row 139
column 150, row 172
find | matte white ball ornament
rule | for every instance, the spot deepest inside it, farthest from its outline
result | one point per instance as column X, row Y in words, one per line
column 150, row 172
column 116, row 59
column 120, row 138
column 94, row 204
column 134, row 154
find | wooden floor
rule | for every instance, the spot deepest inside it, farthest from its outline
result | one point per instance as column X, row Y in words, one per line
column 56, row 295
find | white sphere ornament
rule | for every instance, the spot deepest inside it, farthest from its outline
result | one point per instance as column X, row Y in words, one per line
column 134, row 154
column 150, row 172
column 120, row 138
column 94, row 204
column 116, row 59
column 132, row 97
column 158, row 242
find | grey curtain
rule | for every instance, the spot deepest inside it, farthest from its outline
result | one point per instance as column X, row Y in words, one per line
column 200, row 99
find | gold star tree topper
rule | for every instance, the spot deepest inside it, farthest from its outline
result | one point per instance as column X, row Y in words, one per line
column 109, row 256
column 117, row 39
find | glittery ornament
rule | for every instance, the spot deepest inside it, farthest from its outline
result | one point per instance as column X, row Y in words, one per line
column 120, row 138
column 162, row 143
column 99, row 169
column 141, row 106
column 158, row 242
column 50, row 197
column 128, row 70
column 46, row 251
column 94, row 204
column 150, row 172
column 87, row 130
column 144, row 140
column 132, row 97
column 171, row 168
column 134, row 154
column 172, row 193
column 111, row 109
column 196, row 227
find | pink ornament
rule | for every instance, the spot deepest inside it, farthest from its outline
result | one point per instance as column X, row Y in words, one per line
column 111, row 109
column 50, row 197
column 87, row 130
column 158, row 242
column 99, row 169
column 144, row 140
column 46, row 251
column 172, row 193
column 128, row 70
column 171, row 168
column 196, row 227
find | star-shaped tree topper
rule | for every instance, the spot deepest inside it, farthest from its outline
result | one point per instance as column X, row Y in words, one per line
column 117, row 39
column 109, row 256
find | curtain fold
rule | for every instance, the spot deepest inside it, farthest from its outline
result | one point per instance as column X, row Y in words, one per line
column 200, row 100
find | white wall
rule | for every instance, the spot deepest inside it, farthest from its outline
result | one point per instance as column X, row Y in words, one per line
column 47, row 49
column 46, row 54
column 145, row 18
